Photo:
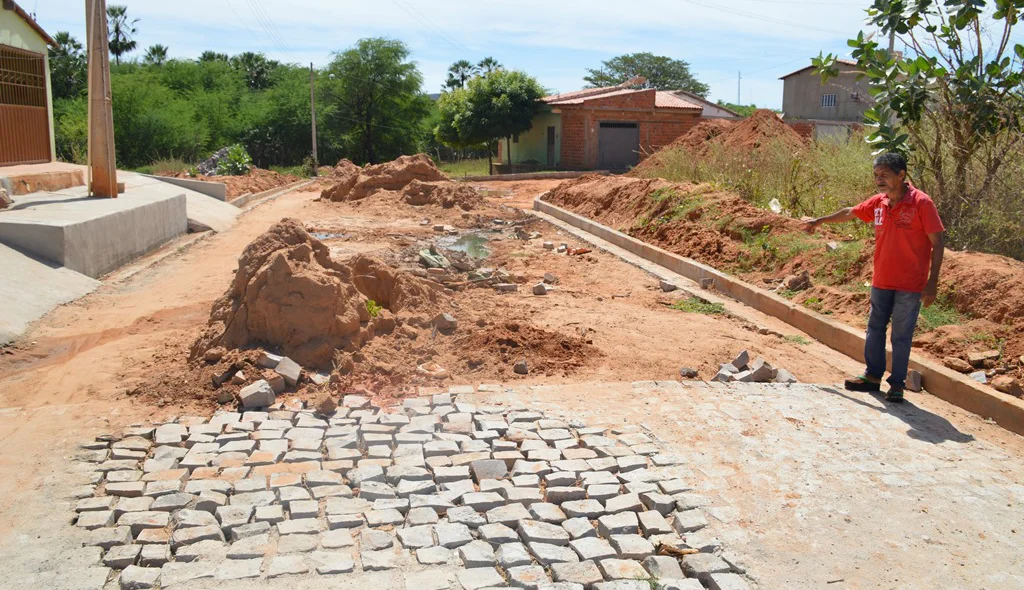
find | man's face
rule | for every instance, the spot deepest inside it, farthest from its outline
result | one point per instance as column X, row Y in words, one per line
column 888, row 181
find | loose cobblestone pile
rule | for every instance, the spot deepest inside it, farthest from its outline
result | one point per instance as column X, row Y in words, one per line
column 513, row 497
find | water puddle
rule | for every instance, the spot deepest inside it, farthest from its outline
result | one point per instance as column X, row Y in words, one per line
column 473, row 245
column 324, row 235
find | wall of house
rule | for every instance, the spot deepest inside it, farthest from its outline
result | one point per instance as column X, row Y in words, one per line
column 15, row 32
column 801, row 96
column 580, row 128
column 533, row 145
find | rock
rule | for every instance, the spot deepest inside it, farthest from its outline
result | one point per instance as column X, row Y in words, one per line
column 214, row 354
column 784, row 376
column 445, row 321
column 268, row 360
column 5, row 202
column 977, row 359
column 550, row 278
column 540, row 289
column 913, row 382
column 667, row 286
column 136, row 578
column 521, row 368
column 761, row 372
column 238, row 378
column 257, row 395
column 277, row 383
column 290, row 370
column 741, row 361
column 549, row 245
column 488, row 469
column 506, row 287
column 957, row 364
column 1007, row 384
column 688, row 373
column 480, row 577
column 797, row 282
column 979, row 376
column 325, row 404
column 829, row 247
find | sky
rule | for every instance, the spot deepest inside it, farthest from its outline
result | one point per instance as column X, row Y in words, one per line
column 553, row 41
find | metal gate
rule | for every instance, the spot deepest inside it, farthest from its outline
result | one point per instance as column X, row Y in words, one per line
column 24, row 121
column 618, row 146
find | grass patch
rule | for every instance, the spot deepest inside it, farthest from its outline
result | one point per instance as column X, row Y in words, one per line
column 697, row 305
column 673, row 205
column 787, row 293
column 474, row 167
column 796, row 339
column 299, row 170
column 843, row 259
column 768, row 249
column 941, row 313
column 165, row 167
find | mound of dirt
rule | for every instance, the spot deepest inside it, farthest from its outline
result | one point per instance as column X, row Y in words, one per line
column 703, row 133
column 358, row 183
column 345, row 168
column 501, row 345
column 442, row 194
column 256, row 181
column 290, row 295
column 757, row 130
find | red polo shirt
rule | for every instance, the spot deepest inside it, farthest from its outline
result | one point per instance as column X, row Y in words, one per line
column 902, row 248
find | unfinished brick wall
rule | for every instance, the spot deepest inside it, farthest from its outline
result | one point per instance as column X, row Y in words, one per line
column 804, row 128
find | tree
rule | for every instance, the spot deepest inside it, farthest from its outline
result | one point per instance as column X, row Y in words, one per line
column 953, row 100
column 121, row 31
column 488, row 65
column 743, row 110
column 208, row 55
column 492, row 107
column 156, row 55
column 661, row 72
column 459, row 73
column 257, row 69
column 375, row 100
column 68, row 66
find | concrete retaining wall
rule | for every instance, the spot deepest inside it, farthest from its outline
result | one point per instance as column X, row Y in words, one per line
column 1007, row 411
column 217, row 190
column 531, row 176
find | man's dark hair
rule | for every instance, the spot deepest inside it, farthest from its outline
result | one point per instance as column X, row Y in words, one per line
column 893, row 161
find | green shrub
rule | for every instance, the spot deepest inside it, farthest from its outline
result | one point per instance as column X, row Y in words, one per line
column 697, row 305
column 236, row 163
column 373, row 308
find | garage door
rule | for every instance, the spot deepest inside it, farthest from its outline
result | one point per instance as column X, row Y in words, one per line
column 24, row 122
column 618, row 146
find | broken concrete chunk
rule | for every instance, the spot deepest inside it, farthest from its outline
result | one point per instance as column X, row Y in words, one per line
column 521, row 368
column 540, row 289
column 667, row 287
column 445, row 321
column 913, row 382
column 268, row 360
column 290, row 370
column 276, row 383
column 741, row 360
column 257, row 395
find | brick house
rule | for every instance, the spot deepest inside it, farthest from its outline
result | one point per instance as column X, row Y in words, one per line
column 601, row 129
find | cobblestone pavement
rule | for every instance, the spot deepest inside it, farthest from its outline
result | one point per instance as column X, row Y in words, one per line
column 506, row 495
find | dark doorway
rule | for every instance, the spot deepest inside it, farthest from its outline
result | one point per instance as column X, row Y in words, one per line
column 551, row 147
column 618, row 146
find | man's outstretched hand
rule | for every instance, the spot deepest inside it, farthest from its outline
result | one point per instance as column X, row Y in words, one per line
column 809, row 225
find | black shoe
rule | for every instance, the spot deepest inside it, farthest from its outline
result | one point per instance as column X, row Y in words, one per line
column 862, row 383
column 894, row 395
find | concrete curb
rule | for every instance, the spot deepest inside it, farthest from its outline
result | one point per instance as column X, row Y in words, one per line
column 246, row 199
column 1005, row 410
column 532, row 176
column 217, row 190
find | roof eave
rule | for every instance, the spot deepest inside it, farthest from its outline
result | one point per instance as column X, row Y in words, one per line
column 12, row 5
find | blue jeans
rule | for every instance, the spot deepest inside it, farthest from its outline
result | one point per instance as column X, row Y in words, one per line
column 900, row 307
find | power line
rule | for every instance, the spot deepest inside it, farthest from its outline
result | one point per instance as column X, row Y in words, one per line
column 764, row 18
column 423, row 20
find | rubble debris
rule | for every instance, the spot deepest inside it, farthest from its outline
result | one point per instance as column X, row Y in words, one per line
column 1008, row 384
column 445, row 194
column 289, row 294
column 957, row 364
column 325, row 404
column 979, row 376
column 238, row 378
column 359, row 183
column 549, row 245
column 687, row 373
column 445, row 322
column 550, row 278
column 978, row 359
column 540, row 289
column 431, row 258
column 797, row 282
column 521, row 367
column 666, row 286
column 214, row 354
column 5, row 200
column 432, row 370
column 506, row 287
column 268, row 360
column 290, row 370
column 257, row 395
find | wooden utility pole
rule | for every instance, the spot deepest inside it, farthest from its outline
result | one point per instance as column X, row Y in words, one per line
column 312, row 110
column 102, row 164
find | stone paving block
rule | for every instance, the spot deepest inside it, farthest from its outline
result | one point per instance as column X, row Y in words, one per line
column 579, row 528
column 297, row 543
column 546, row 512
column 663, row 566
column 631, row 546
column 99, row 503
column 123, row 476
column 153, row 537
column 191, row 518
column 137, row 578
column 539, row 468
column 563, row 494
column 593, row 548
column 622, row 569
column 154, row 555
column 526, row 481
column 378, row 518
column 347, row 521
column 531, row 531
column 688, row 521
column 498, row 534
column 299, row 509
column 254, row 547
column 623, row 585
column 679, row 584
column 331, row 562
column 96, row 519
column 372, row 540
column 524, row 496
column 336, row 539
column 593, row 478
column 477, row 554
column 604, row 492
column 483, row 501
column 438, row 503
column 702, row 565
column 301, row 526
column 585, row 573
column 480, row 577
column 416, row 537
column 434, row 555
column 171, row 502
column 661, row 503
column 122, row 556
column 422, row 516
column 548, row 554
column 137, row 521
column 238, row 569
column 586, row 508
column 347, row 506
column 653, row 523
column 511, row 555
column 530, row 577
column 624, row 503
column 282, row 565
column 467, row 516
column 374, row 561
column 206, row 550
column 488, row 469
column 269, row 514
column 623, row 523
column 179, row 573
column 131, row 489
column 189, row 536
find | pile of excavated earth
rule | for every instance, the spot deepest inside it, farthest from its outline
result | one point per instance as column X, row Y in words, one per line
column 295, row 319
column 827, row 272
column 502, row 496
column 414, row 180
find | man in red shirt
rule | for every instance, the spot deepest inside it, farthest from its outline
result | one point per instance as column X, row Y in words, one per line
column 909, row 245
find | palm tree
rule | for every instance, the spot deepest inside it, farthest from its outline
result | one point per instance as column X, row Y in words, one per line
column 67, row 66
column 257, row 69
column 156, row 55
column 121, row 31
column 488, row 65
column 459, row 73
column 213, row 56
